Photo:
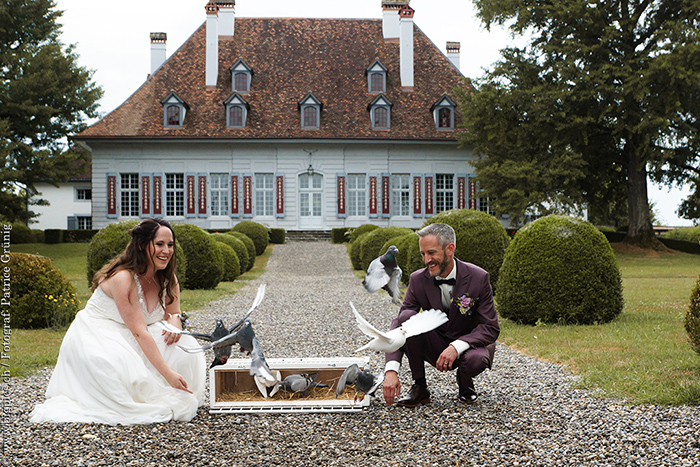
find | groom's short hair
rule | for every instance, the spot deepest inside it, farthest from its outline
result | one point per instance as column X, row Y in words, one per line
column 444, row 233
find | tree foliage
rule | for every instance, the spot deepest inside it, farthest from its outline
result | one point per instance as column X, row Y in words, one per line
column 45, row 98
column 603, row 92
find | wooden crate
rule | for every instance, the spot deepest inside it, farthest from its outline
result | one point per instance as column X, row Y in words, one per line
column 234, row 377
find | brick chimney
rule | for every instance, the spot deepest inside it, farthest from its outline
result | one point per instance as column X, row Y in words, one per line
column 390, row 19
column 406, row 47
column 158, row 40
column 453, row 52
column 227, row 17
column 212, row 45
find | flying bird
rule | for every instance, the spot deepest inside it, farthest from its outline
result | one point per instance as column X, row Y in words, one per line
column 301, row 383
column 393, row 340
column 384, row 273
column 263, row 376
column 241, row 333
column 221, row 354
column 364, row 381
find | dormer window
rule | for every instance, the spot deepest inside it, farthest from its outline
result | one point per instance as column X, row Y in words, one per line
column 236, row 111
column 444, row 113
column 310, row 109
column 376, row 77
column 174, row 110
column 241, row 75
column 380, row 113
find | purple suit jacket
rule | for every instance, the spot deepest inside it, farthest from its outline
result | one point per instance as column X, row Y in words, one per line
column 479, row 328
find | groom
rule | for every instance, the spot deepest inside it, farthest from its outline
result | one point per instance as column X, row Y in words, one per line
column 466, row 342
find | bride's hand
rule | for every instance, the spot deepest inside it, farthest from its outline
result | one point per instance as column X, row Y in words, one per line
column 177, row 381
column 170, row 337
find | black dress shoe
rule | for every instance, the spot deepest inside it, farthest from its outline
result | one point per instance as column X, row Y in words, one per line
column 468, row 396
column 416, row 395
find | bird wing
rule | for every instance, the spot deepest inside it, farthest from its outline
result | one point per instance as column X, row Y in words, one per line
column 376, row 276
column 258, row 364
column 365, row 327
column 348, row 377
column 393, row 286
column 198, row 335
column 258, row 298
column 423, row 322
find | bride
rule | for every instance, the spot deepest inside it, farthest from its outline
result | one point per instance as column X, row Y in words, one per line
column 115, row 366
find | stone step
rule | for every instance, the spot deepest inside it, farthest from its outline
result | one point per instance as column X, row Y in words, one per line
column 308, row 236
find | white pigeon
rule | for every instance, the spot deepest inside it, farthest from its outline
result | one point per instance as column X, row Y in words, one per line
column 393, row 340
column 263, row 376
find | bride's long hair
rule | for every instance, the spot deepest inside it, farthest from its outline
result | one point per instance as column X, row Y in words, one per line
column 136, row 258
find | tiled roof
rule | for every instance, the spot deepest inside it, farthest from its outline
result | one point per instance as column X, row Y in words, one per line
column 291, row 58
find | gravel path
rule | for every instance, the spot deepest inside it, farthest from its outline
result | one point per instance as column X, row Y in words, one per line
column 529, row 412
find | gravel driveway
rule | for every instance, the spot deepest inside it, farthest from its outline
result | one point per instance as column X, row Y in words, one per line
column 529, row 412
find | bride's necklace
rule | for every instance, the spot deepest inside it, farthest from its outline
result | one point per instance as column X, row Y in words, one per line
column 150, row 281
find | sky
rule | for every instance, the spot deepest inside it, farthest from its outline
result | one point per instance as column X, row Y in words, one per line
column 113, row 40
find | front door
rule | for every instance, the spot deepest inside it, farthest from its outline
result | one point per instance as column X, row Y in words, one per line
column 310, row 201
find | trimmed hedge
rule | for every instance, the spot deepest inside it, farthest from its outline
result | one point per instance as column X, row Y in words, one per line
column 53, row 236
column 361, row 230
column 278, row 236
column 370, row 245
column 560, row 269
column 257, row 232
column 340, row 235
column 692, row 319
column 250, row 246
column 205, row 265
column 105, row 245
column 110, row 241
column 78, row 235
column 481, row 239
column 688, row 234
column 42, row 297
column 237, row 245
column 20, row 233
column 232, row 266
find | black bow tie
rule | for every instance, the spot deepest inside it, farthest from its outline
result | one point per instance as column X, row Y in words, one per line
column 439, row 282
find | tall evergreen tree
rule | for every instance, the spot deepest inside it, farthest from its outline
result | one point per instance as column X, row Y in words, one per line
column 45, row 98
column 604, row 92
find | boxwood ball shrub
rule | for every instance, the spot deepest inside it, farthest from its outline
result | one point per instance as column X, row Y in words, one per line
column 481, row 239
column 256, row 232
column 111, row 240
column 107, row 244
column 277, row 236
column 41, row 296
column 237, row 245
column 371, row 244
column 560, row 269
column 232, row 266
column 361, row 230
column 692, row 319
column 250, row 246
column 205, row 265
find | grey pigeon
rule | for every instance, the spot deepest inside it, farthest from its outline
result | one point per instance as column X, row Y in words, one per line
column 241, row 333
column 301, row 383
column 384, row 273
column 221, row 354
column 263, row 376
column 364, row 381
column 393, row 340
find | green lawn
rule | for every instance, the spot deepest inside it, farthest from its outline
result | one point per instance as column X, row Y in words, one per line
column 35, row 349
column 644, row 354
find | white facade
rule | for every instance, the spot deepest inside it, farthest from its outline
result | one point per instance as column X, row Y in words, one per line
column 68, row 207
column 295, row 185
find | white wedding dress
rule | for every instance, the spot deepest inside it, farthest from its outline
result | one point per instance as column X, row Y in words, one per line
column 103, row 376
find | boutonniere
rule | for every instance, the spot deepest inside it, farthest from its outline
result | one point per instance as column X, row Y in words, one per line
column 465, row 304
